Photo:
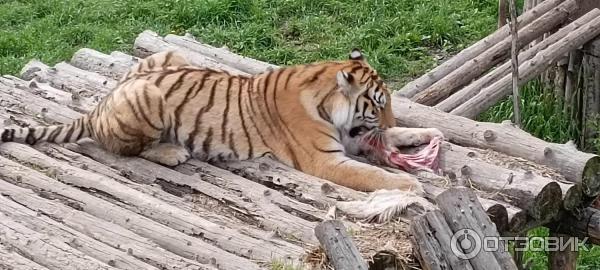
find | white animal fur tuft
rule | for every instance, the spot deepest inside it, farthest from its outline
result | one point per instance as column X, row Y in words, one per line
column 383, row 205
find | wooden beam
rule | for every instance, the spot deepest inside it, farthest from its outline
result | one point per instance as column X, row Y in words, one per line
column 340, row 250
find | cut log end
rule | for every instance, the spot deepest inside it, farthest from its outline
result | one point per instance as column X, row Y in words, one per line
column 499, row 215
column 591, row 177
column 547, row 203
column 573, row 197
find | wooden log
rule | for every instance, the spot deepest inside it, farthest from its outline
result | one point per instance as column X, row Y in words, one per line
column 475, row 87
column 566, row 257
column 112, row 66
column 48, row 92
column 153, row 208
column 462, row 211
column 245, row 64
column 586, row 226
column 514, row 53
column 79, row 82
column 185, row 245
column 107, row 232
column 502, row 12
column 148, row 43
column 499, row 215
column 431, row 236
column 95, row 249
column 560, row 77
column 591, row 91
column 571, row 84
column 44, row 249
column 574, row 165
column 442, row 70
column 338, row 246
column 524, row 189
column 531, row 68
column 10, row 259
column 500, row 51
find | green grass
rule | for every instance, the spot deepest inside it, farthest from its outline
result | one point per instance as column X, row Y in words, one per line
column 539, row 113
column 401, row 38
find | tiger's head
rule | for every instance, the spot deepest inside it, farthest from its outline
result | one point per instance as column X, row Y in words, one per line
column 366, row 95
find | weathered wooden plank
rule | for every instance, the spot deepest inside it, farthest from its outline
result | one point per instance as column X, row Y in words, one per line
column 105, row 231
column 462, row 211
column 338, row 246
column 173, row 240
column 10, row 259
column 150, row 207
column 95, row 249
column 44, row 249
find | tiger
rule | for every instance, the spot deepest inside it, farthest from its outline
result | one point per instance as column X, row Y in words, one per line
column 307, row 116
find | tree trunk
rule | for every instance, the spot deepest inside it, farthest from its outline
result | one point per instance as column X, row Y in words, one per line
column 491, row 57
column 531, row 68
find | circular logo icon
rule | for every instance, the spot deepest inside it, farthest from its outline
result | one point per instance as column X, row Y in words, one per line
column 465, row 244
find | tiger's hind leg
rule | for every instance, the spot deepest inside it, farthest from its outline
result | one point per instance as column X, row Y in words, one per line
column 167, row 154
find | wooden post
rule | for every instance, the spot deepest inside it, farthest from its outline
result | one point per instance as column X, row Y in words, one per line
column 571, row 83
column 338, row 246
column 566, row 257
column 464, row 214
column 515, row 62
column 502, row 10
column 591, row 91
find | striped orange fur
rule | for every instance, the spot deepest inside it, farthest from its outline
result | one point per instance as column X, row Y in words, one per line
column 307, row 116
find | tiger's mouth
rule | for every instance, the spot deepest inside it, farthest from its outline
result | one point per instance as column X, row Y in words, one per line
column 359, row 130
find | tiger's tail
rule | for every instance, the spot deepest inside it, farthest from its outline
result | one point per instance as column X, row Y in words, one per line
column 65, row 133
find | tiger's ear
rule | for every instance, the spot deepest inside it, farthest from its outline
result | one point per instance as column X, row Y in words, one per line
column 345, row 81
column 356, row 54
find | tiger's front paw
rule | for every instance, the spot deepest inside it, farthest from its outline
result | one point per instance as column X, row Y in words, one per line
column 434, row 132
column 417, row 187
column 167, row 154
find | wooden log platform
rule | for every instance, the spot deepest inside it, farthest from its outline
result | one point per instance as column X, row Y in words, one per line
column 129, row 213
